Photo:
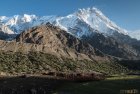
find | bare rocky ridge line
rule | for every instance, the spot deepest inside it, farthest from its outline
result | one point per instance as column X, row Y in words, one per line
column 52, row 40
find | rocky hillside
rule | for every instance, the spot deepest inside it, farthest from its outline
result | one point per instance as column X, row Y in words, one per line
column 87, row 30
column 112, row 46
column 52, row 40
column 49, row 48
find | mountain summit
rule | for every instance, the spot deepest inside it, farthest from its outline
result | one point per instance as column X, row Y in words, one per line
column 80, row 23
column 85, row 21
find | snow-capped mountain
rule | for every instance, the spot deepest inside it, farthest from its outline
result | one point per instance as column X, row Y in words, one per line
column 82, row 22
column 18, row 23
column 135, row 34
column 89, row 25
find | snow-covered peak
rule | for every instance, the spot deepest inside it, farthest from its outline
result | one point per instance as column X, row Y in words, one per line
column 97, row 20
column 82, row 22
column 85, row 21
column 28, row 18
column 18, row 19
column 18, row 23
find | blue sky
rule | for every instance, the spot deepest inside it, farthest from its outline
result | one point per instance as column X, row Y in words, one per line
column 125, row 13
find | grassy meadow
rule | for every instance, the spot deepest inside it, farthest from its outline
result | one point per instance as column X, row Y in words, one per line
column 113, row 85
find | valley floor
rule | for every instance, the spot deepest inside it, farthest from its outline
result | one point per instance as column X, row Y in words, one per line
column 113, row 85
column 44, row 85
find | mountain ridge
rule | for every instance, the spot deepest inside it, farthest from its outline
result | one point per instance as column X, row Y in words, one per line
column 49, row 48
column 91, row 17
column 83, row 23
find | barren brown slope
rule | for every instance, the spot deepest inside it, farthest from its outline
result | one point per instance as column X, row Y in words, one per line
column 59, row 42
column 48, row 48
column 52, row 40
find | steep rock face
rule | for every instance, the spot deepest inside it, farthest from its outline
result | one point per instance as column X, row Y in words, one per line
column 111, row 46
column 127, row 40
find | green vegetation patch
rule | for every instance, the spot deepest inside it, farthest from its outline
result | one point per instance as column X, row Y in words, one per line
column 38, row 62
